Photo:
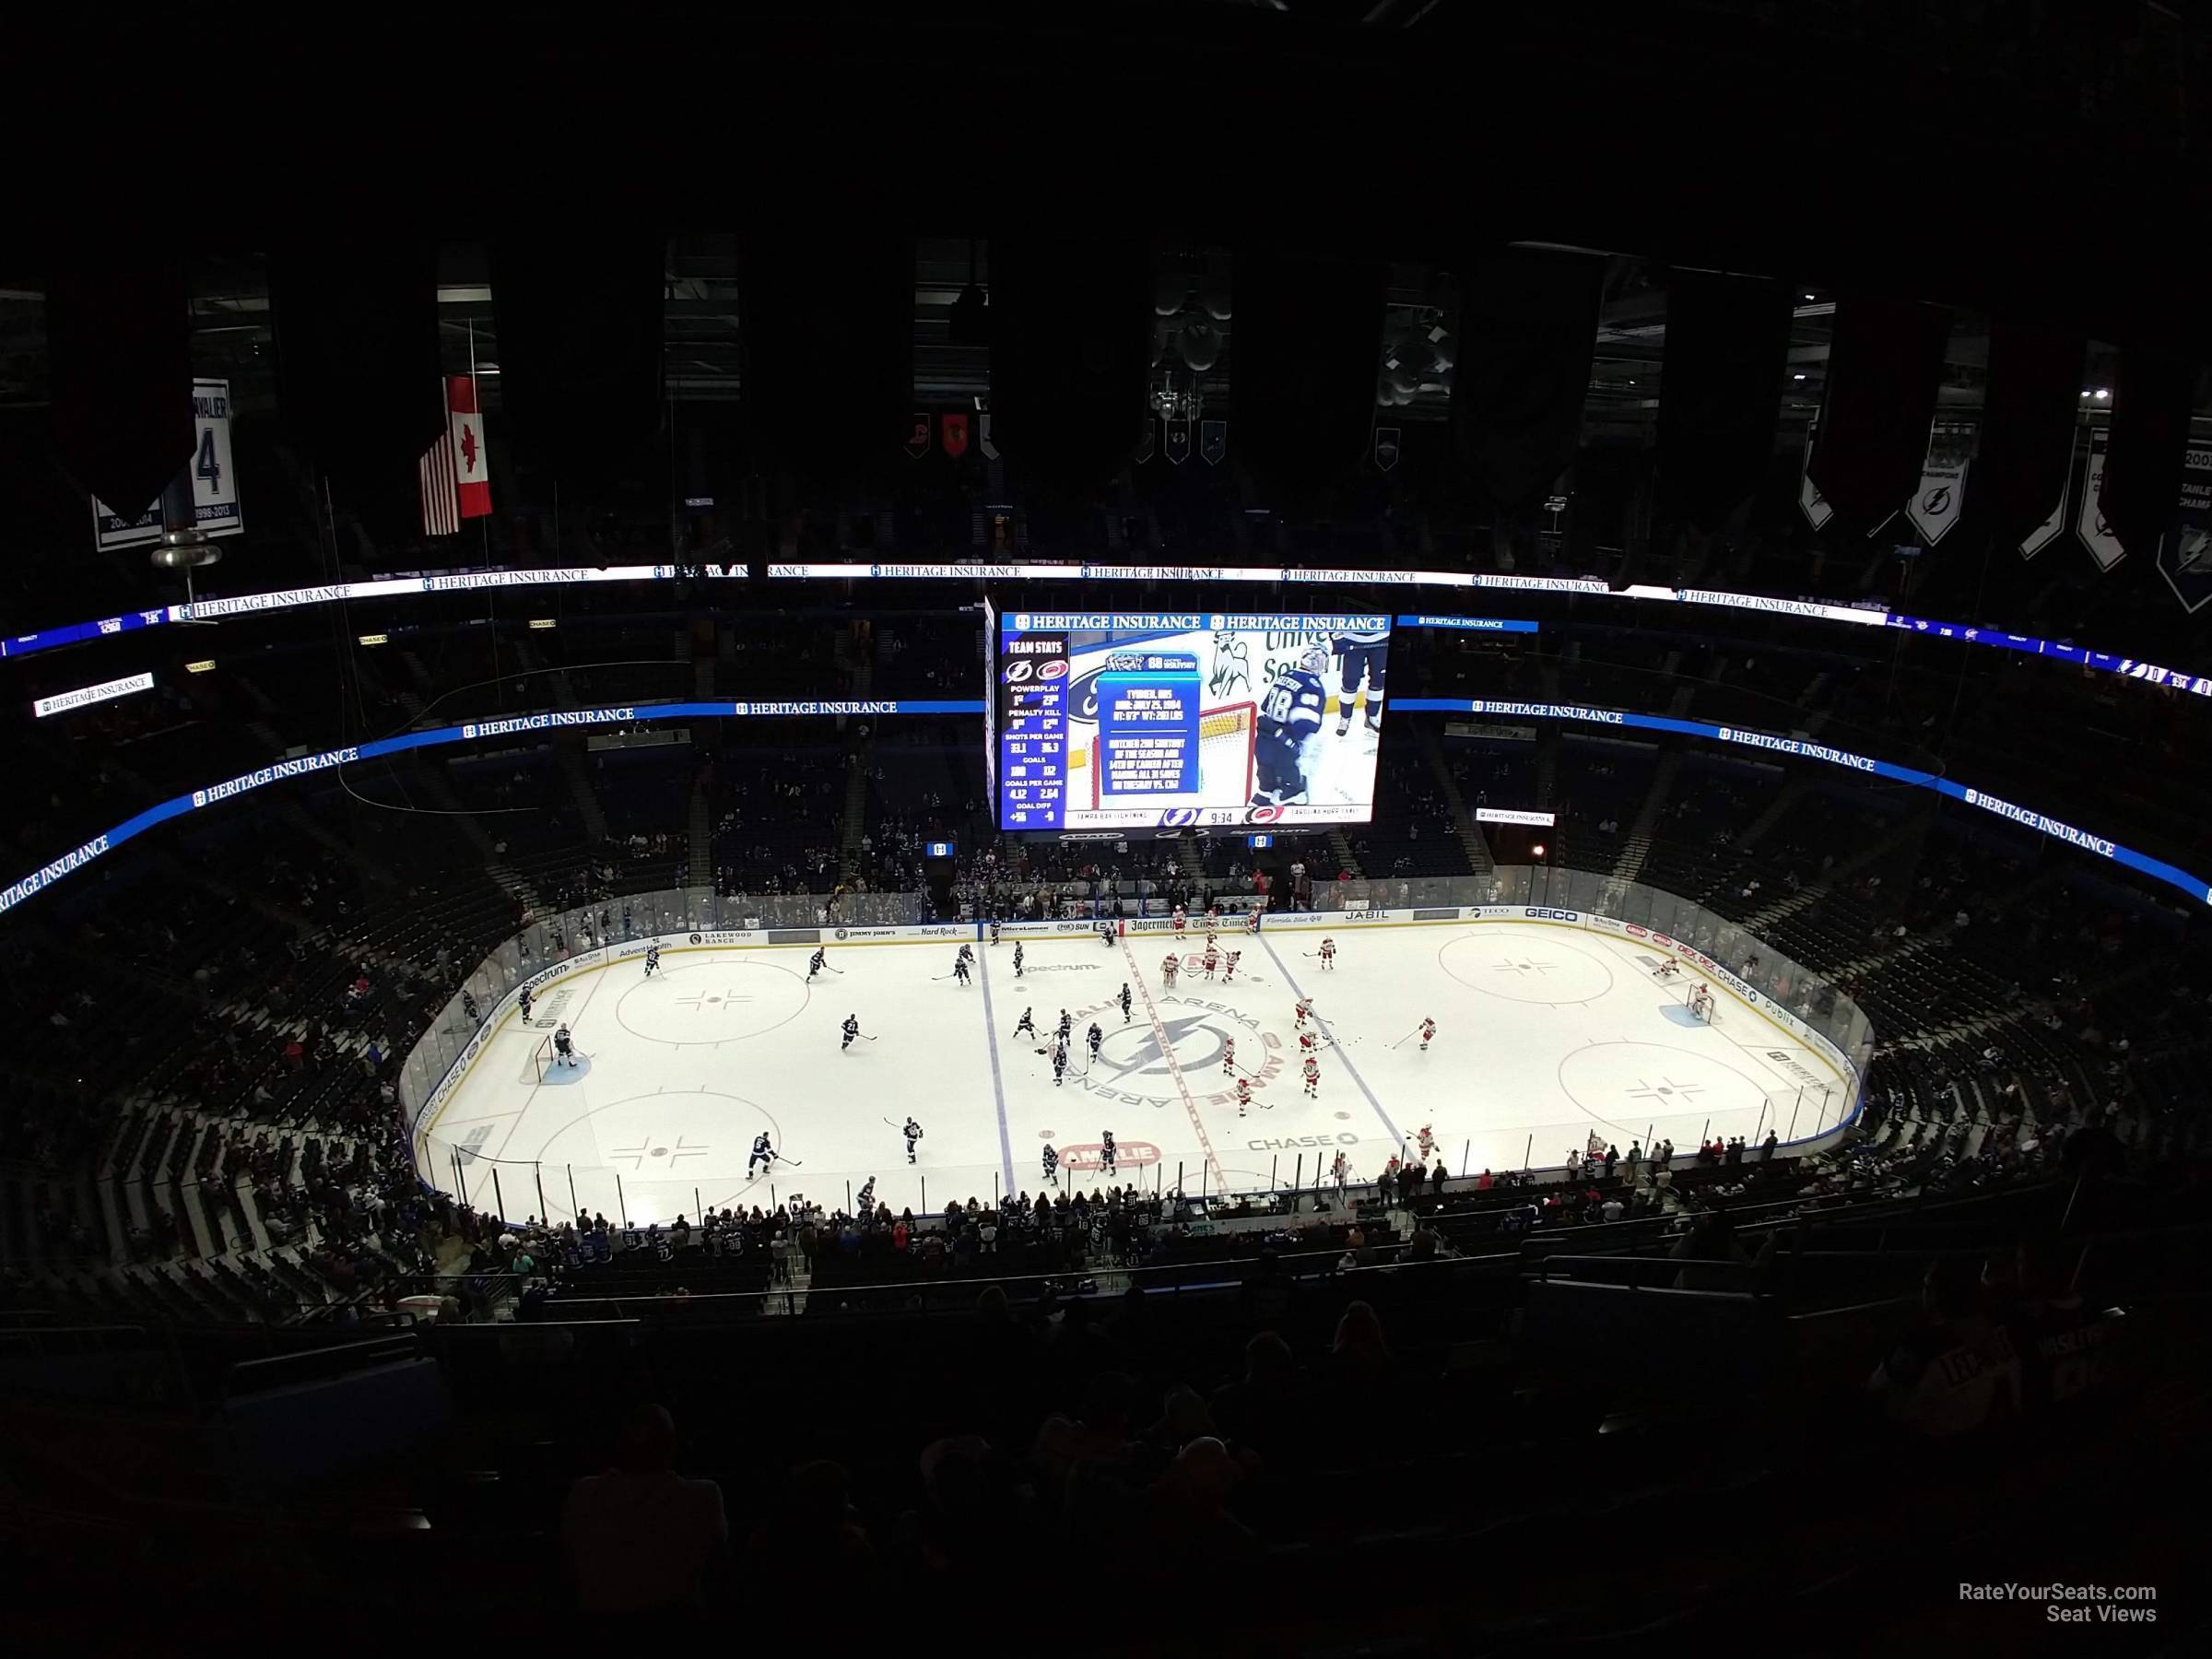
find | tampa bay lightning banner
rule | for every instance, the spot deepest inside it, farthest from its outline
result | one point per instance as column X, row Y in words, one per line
column 1937, row 503
column 2054, row 524
column 2097, row 535
column 2186, row 550
column 1810, row 501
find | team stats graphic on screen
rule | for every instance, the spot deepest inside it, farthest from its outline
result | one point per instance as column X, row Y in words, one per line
column 1140, row 720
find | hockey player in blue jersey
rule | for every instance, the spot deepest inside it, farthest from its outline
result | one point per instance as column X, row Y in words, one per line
column 1291, row 712
column 1366, row 656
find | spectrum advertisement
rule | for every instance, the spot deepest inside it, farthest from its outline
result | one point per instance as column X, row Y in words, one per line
column 1139, row 720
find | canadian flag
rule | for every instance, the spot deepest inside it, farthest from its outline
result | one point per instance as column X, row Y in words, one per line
column 454, row 473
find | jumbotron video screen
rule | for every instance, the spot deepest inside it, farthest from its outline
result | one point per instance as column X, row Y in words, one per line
column 1166, row 722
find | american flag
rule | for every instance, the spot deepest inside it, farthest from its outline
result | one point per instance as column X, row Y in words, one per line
column 456, row 482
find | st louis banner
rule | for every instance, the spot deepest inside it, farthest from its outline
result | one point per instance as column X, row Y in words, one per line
column 1810, row 501
column 2186, row 550
column 1935, row 505
column 2098, row 537
column 2054, row 522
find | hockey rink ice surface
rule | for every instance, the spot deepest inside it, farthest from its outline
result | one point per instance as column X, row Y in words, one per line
column 1545, row 1034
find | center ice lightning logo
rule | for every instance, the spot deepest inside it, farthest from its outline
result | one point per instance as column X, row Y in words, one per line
column 1138, row 1053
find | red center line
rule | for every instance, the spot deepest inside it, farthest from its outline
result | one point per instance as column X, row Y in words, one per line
column 1159, row 1032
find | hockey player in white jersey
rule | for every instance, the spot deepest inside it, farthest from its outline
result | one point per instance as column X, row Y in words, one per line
column 1290, row 714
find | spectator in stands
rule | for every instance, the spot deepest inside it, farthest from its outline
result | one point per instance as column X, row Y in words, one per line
column 1958, row 1372
column 1712, row 1258
column 639, row 1537
column 1263, row 1408
column 1360, row 1370
column 974, row 1523
column 1190, row 1520
column 813, row 1550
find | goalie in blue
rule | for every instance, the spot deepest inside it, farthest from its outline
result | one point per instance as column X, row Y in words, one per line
column 1291, row 710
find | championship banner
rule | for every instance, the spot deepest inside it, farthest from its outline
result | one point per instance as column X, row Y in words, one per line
column 2186, row 550
column 1810, row 501
column 1935, row 504
column 2098, row 536
column 2052, row 527
column 215, row 504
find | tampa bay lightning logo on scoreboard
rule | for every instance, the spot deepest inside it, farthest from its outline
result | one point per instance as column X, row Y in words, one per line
column 1020, row 669
column 1175, row 818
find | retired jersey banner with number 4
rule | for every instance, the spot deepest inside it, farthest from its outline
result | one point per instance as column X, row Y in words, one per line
column 1935, row 504
column 215, row 504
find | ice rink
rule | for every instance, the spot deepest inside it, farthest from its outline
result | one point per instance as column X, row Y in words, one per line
column 1545, row 1034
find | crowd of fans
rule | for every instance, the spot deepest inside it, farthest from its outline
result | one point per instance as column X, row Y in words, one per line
column 286, row 978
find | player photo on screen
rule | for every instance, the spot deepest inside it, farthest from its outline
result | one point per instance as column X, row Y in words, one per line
column 1162, row 721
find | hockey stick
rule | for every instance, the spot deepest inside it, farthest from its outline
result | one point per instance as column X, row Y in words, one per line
column 1415, row 1029
column 865, row 1034
column 796, row 1163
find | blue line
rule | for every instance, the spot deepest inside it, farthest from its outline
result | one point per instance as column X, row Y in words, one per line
column 998, row 1085
column 1395, row 1135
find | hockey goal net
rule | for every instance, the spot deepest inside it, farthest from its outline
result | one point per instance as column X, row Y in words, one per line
column 1227, row 735
column 1702, row 1004
column 541, row 1059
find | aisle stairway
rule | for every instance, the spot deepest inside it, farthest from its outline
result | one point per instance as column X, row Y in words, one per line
column 1471, row 837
